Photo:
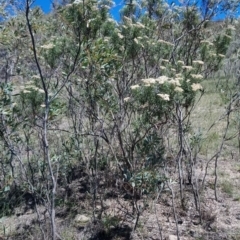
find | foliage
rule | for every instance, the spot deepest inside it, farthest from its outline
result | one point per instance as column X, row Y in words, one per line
column 80, row 89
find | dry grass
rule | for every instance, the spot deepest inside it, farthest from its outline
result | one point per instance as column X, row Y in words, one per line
column 220, row 218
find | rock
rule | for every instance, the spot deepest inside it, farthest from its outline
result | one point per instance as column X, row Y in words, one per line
column 196, row 220
column 81, row 220
column 172, row 237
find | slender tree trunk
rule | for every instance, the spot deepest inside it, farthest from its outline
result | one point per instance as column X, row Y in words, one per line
column 180, row 153
column 53, row 186
column 53, row 180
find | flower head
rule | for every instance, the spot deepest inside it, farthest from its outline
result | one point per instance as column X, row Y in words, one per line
column 127, row 19
column 149, row 81
column 165, row 42
column 198, row 62
column 77, row 2
column 120, row 36
column 178, row 89
column 48, row 46
column 135, row 40
column 36, row 76
column 134, row 86
column 180, row 62
column 175, row 81
column 207, row 42
column 26, row 91
column 162, row 79
column 164, row 96
column 197, row 76
column 212, row 54
column 179, row 75
column 196, row 86
column 140, row 25
column 227, row 36
column 165, row 60
column 187, row 67
column 40, row 90
column 231, row 27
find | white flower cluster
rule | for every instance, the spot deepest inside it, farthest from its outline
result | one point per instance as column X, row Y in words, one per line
column 207, row 42
column 30, row 87
column 221, row 55
column 77, row 1
column 126, row 99
column 196, row 86
column 48, row 46
column 134, row 86
column 176, row 81
column 198, row 62
column 165, row 42
column 231, row 27
column 178, row 89
column 165, row 60
column 140, row 25
column 164, row 96
column 187, row 67
column 120, row 36
column 127, row 19
column 162, row 79
column 197, row 76
column 149, row 81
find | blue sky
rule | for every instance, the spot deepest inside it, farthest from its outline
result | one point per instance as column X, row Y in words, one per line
column 46, row 6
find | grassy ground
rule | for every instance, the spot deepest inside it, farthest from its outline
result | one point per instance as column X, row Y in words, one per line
column 221, row 219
